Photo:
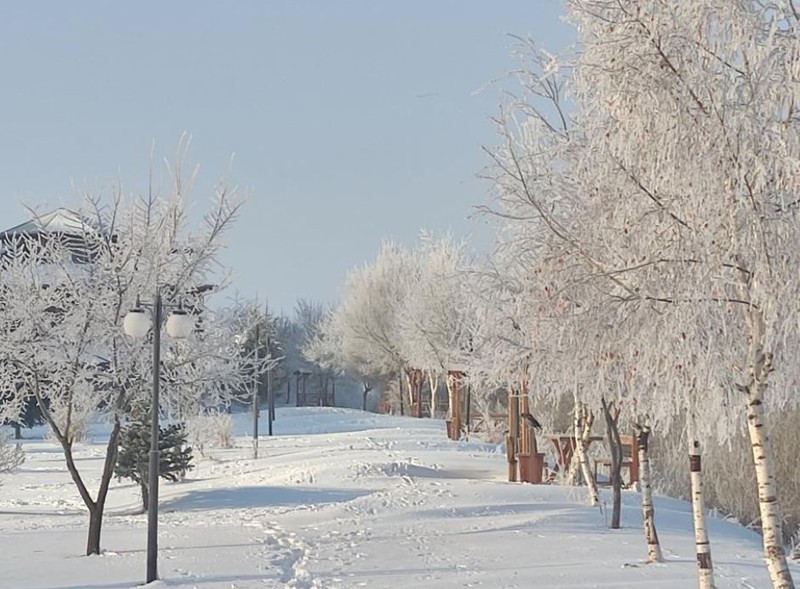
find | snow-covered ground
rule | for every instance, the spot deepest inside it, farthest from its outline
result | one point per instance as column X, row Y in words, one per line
column 340, row 498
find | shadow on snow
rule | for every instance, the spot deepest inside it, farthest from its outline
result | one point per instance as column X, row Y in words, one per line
column 244, row 497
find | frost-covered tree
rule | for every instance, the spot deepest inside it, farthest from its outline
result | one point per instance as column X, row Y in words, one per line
column 332, row 349
column 434, row 319
column 293, row 334
column 62, row 303
column 361, row 335
column 700, row 129
column 671, row 192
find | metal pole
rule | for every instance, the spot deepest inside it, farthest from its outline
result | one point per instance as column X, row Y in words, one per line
column 255, row 396
column 152, row 483
column 270, row 392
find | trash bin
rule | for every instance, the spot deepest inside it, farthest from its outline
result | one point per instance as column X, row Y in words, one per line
column 531, row 467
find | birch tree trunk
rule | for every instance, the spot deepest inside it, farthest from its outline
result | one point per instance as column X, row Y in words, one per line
column 584, row 419
column 705, row 569
column 771, row 526
column 648, row 510
column 433, row 382
column 759, row 367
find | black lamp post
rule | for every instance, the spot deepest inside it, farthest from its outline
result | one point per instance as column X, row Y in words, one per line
column 255, row 394
column 137, row 324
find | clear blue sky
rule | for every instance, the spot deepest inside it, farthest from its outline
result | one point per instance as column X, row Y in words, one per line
column 351, row 121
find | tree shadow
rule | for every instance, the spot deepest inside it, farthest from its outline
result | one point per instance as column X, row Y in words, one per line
column 244, row 497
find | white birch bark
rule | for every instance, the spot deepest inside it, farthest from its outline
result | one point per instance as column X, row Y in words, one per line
column 433, row 382
column 760, row 365
column 705, row 569
column 584, row 419
column 410, row 384
column 645, row 481
column 771, row 526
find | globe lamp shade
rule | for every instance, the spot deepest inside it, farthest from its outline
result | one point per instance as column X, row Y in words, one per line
column 136, row 323
column 180, row 324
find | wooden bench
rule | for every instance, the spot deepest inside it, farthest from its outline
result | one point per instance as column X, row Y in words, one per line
column 630, row 460
column 495, row 422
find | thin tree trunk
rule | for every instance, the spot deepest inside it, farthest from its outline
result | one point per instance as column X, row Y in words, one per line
column 400, row 391
column 584, row 419
column 95, row 507
column 366, row 388
column 648, row 510
column 433, row 382
column 410, row 385
column 145, row 494
column 575, row 468
column 769, row 508
column 93, row 545
column 611, row 414
column 98, row 507
column 95, row 526
column 759, row 367
column 468, row 420
column 705, row 569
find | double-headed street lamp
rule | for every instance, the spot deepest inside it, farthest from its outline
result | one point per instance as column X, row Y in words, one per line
column 137, row 324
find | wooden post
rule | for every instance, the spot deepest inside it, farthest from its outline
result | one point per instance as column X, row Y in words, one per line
column 525, row 428
column 531, row 463
column 513, row 434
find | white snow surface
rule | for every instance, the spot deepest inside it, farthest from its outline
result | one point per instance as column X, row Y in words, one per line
column 339, row 498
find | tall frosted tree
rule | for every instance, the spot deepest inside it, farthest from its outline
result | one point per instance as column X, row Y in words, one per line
column 671, row 191
column 701, row 131
column 362, row 333
column 434, row 317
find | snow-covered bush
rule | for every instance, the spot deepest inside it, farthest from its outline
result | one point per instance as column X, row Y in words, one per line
column 73, row 421
column 211, row 429
column 11, row 455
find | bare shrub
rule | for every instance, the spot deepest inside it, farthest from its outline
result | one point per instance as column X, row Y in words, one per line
column 214, row 429
column 11, row 455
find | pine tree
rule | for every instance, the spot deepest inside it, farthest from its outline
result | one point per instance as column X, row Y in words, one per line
column 175, row 457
